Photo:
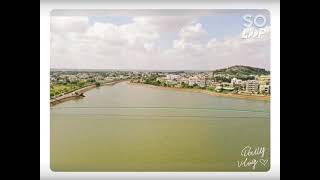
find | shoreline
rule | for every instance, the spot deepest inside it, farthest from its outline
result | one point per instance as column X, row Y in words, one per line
column 72, row 95
column 203, row 91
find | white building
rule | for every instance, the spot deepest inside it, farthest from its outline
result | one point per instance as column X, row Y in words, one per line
column 201, row 83
column 264, row 79
column 172, row 77
column 265, row 89
column 252, row 86
column 52, row 79
column 235, row 81
column 192, row 81
column 210, row 83
column 82, row 75
column 109, row 78
column 184, row 80
column 195, row 80
column 171, row 82
column 98, row 78
column 218, row 88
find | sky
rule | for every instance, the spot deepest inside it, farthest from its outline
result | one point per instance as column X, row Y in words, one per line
column 156, row 42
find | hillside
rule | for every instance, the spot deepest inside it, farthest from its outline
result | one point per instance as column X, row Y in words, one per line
column 244, row 70
column 240, row 72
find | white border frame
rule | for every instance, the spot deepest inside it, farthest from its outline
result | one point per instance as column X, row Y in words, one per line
column 45, row 9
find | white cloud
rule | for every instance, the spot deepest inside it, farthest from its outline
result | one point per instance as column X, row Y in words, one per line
column 193, row 32
column 69, row 24
column 192, row 39
column 165, row 23
column 235, row 50
column 76, row 44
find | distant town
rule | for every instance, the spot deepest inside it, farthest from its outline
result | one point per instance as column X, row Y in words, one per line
column 243, row 80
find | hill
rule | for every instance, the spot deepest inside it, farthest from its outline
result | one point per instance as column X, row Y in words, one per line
column 240, row 72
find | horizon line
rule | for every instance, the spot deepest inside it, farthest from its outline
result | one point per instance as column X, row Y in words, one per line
column 97, row 69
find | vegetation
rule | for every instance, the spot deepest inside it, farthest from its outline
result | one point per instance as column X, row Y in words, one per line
column 242, row 70
column 184, row 85
column 91, row 80
column 211, row 88
column 63, row 88
column 239, row 72
column 152, row 80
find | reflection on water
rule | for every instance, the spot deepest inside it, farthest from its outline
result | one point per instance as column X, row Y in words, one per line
column 134, row 128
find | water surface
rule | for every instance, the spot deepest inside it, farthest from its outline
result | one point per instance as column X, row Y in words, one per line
column 134, row 128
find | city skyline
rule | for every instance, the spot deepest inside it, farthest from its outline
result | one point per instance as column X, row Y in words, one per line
column 147, row 70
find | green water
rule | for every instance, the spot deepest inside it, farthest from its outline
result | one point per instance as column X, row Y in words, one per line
column 133, row 128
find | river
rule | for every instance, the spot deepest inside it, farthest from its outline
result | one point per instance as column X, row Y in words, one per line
column 135, row 128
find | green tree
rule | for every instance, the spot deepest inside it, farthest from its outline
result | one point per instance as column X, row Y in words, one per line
column 211, row 88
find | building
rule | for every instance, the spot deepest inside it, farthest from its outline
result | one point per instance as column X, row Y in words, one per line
column 235, row 81
column 171, row 82
column 184, row 80
column 99, row 78
column 252, row 86
column 264, row 89
column 109, row 78
column 228, row 88
column 210, row 82
column 197, row 81
column 243, row 85
column 172, row 77
column 52, row 79
column 218, row 88
column 192, row 81
column 201, row 83
column 263, row 79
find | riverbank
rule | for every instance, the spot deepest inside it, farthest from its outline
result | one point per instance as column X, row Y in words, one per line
column 78, row 93
column 204, row 91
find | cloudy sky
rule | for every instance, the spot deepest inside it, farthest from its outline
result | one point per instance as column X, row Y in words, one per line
column 155, row 42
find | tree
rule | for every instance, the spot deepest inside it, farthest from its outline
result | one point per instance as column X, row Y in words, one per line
column 92, row 80
column 184, row 85
column 211, row 88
